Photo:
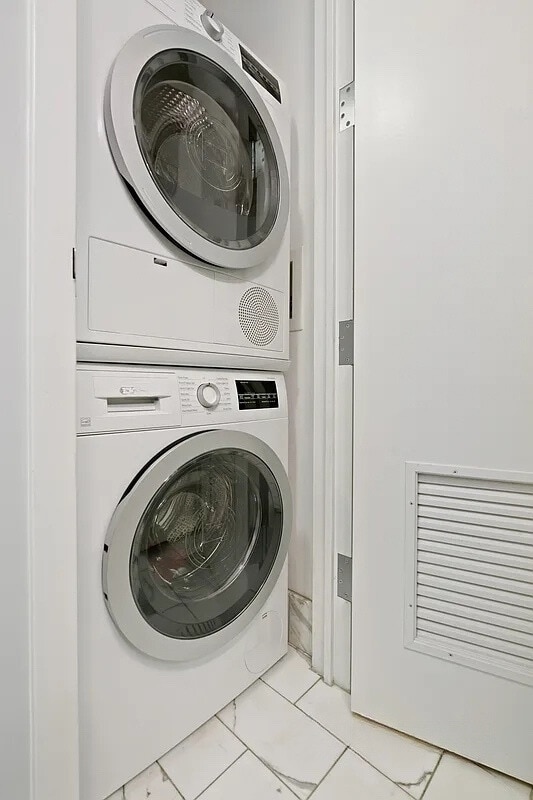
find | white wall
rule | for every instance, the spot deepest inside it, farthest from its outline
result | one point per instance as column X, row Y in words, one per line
column 51, row 94
column 282, row 34
column 38, row 667
column 14, row 586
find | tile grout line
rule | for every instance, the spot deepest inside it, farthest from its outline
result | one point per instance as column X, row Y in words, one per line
column 306, row 714
column 292, row 702
column 345, row 746
column 198, row 796
column 428, row 784
column 318, row 678
column 263, row 762
column 180, row 796
column 349, row 747
column 387, row 777
column 321, row 781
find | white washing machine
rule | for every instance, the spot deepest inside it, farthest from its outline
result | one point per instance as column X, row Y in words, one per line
column 183, row 191
column 184, row 517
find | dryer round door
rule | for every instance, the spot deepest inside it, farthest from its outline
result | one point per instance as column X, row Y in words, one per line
column 197, row 544
column 193, row 138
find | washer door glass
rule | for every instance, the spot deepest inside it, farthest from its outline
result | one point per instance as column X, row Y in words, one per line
column 206, row 543
column 207, row 149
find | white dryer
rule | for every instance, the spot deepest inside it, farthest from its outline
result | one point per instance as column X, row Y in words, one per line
column 183, row 191
column 184, row 517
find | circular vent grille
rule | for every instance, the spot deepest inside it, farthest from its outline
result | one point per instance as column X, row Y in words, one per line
column 259, row 316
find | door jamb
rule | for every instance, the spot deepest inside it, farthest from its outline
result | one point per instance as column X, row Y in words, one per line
column 324, row 338
column 333, row 275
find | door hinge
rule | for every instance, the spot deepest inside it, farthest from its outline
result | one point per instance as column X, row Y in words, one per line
column 344, row 577
column 74, row 263
column 346, row 343
column 347, row 106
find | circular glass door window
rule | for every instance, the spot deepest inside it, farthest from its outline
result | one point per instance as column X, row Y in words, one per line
column 207, row 149
column 206, row 543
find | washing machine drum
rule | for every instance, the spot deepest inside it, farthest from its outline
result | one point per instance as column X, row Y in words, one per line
column 194, row 140
column 197, row 544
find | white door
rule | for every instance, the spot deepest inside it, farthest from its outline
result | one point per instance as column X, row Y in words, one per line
column 443, row 540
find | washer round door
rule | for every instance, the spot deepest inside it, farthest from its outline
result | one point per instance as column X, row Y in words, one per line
column 197, row 544
column 194, row 140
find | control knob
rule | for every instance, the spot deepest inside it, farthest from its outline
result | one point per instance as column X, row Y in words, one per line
column 208, row 395
column 212, row 25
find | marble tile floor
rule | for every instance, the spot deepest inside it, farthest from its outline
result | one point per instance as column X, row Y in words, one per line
column 291, row 736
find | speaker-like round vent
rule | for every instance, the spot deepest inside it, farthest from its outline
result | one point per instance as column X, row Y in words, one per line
column 259, row 316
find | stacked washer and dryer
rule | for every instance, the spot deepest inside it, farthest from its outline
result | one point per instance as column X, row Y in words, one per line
column 182, row 280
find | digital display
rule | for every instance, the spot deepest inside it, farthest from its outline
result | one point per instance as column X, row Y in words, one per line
column 260, row 74
column 257, row 394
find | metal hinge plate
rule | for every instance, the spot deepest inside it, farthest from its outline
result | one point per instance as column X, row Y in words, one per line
column 344, row 577
column 346, row 343
column 347, row 106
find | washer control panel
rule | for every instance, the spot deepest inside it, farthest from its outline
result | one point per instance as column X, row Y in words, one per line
column 227, row 395
column 200, row 393
column 132, row 398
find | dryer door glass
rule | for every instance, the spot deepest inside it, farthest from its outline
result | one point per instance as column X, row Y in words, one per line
column 207, row 149
column 206, row 543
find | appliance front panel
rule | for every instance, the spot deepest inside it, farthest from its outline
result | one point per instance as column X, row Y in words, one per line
column 196, row 309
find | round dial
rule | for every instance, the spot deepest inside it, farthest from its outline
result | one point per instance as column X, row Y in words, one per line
column 208, row 395
column 212, row 25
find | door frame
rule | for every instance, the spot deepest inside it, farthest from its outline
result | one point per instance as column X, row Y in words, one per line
column 333, row 384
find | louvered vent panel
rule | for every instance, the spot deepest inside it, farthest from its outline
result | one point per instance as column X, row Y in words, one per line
column 474, row 570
